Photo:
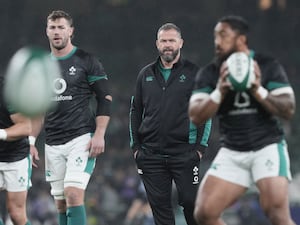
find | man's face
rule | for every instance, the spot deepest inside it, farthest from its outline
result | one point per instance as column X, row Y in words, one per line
column 225, row 41
column 59, row 33
column 168, row 44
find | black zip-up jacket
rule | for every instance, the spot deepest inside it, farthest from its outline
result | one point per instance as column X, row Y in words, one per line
column 159, row 118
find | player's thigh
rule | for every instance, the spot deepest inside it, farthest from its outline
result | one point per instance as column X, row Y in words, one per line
column 271, row 161
column 225, row 181
column 232, row 166
column 55, row 162
column 216, row 194
column 79, row 166
column 16, row 200
column 273, row 192
column 17, row 175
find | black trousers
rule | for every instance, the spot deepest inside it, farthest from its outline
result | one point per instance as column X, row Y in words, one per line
column 158, row 171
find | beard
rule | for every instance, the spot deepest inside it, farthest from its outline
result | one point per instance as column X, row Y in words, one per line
column 59, row 46
column 168, row 57
column 220, row 58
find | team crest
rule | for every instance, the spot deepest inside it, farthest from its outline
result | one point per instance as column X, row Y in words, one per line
column 72, row 70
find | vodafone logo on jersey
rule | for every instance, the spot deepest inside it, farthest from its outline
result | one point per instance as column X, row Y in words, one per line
column 59, row 87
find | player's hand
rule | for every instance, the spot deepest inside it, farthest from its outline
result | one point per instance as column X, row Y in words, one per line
column 96, row 146
column 223, row 85
column 35, row 155
column 257, row 82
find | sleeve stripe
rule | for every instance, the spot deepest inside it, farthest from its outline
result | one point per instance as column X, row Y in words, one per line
column 200, row 96
column 283, row 90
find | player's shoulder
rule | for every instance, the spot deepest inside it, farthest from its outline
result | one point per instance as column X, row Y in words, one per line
column 81, row 53
column 264, row 59
column 189, row 64
column 210, row 68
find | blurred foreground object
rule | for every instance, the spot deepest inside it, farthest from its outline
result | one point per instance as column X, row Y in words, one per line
column 29, row 81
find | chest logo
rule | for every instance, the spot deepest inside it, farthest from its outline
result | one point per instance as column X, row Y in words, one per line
column 72, row 71
column 182, row 78
column 60, row 85
column 149, row 78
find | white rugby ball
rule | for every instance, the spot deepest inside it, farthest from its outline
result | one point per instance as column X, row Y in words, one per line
column 241, row 71
column 29, row 78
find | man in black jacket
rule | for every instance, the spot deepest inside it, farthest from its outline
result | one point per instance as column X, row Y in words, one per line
column 167, row 147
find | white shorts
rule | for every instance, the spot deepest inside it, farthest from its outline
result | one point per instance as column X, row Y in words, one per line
column 244, row 168
column 15, row 176
column 69, row 165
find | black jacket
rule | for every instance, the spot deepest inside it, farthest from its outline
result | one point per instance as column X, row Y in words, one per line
column 159, row 118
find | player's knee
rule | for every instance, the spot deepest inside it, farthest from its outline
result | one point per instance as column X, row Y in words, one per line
column 276, row 214
column 17, row 215
column 74, row 196
column 202, row 214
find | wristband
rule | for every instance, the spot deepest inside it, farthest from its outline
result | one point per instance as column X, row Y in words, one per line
column 31, row 140
column 216, row 96
column 3, row 134
column 262, row 92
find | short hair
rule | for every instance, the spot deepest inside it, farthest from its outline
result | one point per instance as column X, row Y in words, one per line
column 57, row 14
column 237, row 23
column 169, row 26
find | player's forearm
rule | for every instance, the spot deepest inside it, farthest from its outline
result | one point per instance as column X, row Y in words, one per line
column 37, row 125
column 17, row 131
column 101, row 125
column 282, row 105
column 200, row 110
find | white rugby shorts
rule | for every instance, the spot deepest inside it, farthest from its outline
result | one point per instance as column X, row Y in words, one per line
column 69, row 165
column 16, row 176
column 244, row 168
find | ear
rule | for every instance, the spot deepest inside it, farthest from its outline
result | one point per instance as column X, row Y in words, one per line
column 157, row 44
column 241, row 41
column 71, row 31
column 181, row 42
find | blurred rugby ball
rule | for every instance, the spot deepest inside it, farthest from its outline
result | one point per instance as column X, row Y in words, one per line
column 241, row 71
column 29, row 78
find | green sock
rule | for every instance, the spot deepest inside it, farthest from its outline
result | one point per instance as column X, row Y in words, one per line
column 28, row 223
column 62, row 219
column 76, row 215
column 1, row 222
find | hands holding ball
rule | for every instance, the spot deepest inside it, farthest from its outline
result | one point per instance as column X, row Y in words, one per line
column 241, row 73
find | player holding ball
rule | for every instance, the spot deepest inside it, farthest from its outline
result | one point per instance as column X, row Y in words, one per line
column 253, row 147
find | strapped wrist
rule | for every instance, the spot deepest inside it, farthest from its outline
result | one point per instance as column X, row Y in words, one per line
column 262, row 92
column 3, row 134
column 32, row 140
column 216, row 96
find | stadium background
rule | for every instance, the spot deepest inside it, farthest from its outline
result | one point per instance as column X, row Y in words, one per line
column 122, row 34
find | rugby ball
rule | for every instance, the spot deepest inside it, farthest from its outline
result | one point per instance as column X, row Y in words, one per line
column 28, row 84
column 241, row 71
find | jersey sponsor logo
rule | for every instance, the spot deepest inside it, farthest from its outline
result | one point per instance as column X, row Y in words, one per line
column 241, row 102
column 59, row 87
column 195, row 175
